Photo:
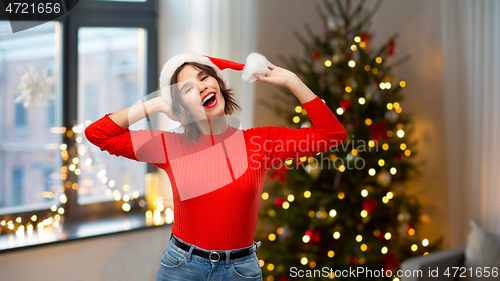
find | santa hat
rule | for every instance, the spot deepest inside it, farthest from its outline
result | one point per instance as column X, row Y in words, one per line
column 256, row 63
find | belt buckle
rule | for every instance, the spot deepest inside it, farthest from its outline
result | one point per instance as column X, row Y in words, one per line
column 210, row 256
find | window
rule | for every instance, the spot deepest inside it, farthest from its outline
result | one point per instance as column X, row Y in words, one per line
column 20, row 116
column 17, row 187
column 31, row 100
column 110, row 62
column 56, row 78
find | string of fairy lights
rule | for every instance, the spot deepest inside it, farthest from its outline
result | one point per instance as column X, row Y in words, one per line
column 322, row 213
column 82, row 159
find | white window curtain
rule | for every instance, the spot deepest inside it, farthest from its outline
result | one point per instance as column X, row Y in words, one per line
column 471, row 59
column 218, row 28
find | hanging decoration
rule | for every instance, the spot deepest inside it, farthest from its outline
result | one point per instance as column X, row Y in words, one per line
column 35, row 88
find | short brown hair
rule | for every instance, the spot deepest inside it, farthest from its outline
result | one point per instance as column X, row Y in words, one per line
column 193, row 133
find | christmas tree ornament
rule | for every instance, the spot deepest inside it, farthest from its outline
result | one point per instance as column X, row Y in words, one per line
column 286, row 231
column 313, row 169
column 370, row 205
column 399, row 156
column 284, row 277
column 378, row 131
column 365, row 37
column 353, row 83
column 316, row 54
column 315, row 236
column 404, row 216
column 365, row 43
column 34, row 88
column 391, row 116
column 345, row 105
column 279, row 174
column 306, row 124
column 337, row 58
column 390, row 49
column 391, row 261
column 352, row 261
column 332, row 25
column 278, row 202
column 384, row 178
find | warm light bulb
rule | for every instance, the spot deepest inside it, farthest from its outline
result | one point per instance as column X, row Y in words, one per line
column 126, row 207
column 384, row 250
column 307, row 194
column 265, row 196
column 364, row 192
column 272, row 237
column 306, row 238
column 333, row 213
column 364, row 214
column 341, row 168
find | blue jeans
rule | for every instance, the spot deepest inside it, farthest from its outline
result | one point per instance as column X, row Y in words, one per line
column 177, row 264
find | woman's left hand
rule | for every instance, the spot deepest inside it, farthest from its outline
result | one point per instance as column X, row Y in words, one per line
column 277, row 76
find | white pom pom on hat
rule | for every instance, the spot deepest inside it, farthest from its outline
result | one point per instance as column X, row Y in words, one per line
column 256, row 63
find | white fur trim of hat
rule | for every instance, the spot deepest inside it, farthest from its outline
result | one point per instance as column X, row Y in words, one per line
column 255, row 63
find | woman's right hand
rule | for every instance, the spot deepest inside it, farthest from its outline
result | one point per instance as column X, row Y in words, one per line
column 167, row 109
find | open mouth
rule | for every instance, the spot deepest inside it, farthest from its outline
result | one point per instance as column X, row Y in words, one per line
column 210, row 100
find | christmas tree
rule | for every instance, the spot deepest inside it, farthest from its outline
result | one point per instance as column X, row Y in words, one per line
column 348, row 207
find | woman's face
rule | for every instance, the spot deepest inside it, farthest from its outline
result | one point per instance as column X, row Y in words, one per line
column 201, row 93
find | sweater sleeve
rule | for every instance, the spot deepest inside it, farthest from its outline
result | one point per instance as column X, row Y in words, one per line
column 139, row 145
column 285, row 143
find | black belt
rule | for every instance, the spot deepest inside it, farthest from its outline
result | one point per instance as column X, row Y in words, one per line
column 213, row 256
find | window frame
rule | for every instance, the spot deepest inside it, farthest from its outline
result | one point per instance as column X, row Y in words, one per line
column 93, row 13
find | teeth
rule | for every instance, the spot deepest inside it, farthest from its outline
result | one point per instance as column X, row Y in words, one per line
column 205, row 99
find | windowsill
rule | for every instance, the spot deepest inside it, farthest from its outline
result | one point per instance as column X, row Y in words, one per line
column 67, row 232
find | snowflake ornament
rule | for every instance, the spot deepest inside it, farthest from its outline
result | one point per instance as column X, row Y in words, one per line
column 35, row 88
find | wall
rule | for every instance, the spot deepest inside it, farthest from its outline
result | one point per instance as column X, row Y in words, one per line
column 128, row 256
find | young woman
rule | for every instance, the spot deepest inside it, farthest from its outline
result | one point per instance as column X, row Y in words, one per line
column 217, row 171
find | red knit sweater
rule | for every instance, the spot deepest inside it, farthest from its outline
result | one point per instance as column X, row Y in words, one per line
column 217, row 182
